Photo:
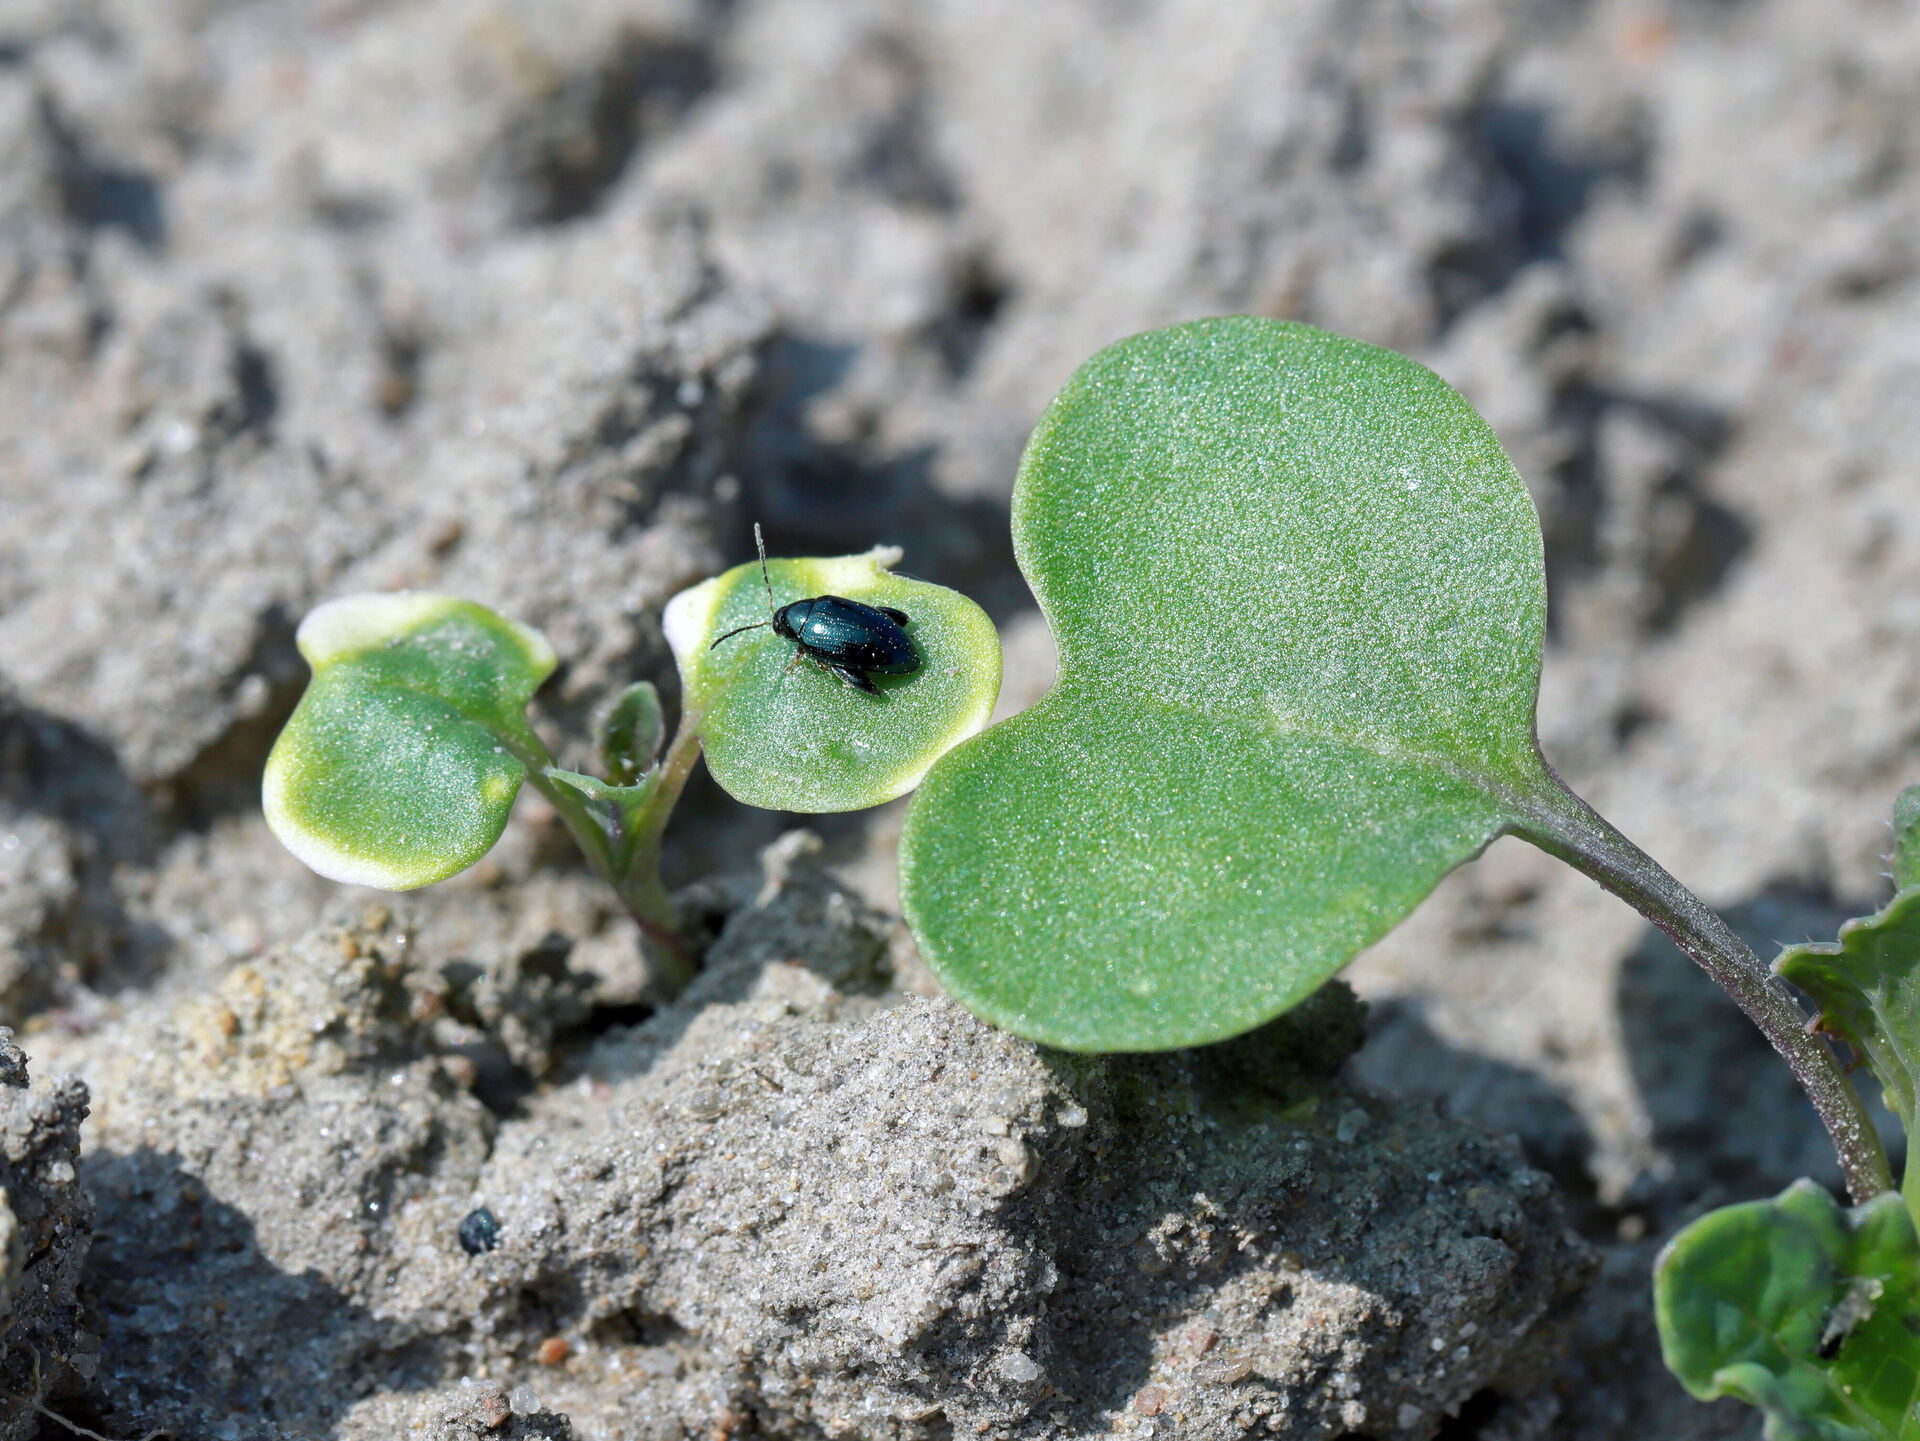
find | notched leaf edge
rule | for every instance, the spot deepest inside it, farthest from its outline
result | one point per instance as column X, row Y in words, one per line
column 1800, row 1307
column 1859, row 982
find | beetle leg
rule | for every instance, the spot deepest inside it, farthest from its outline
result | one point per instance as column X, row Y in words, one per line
column 898, row 617
column 858, row 679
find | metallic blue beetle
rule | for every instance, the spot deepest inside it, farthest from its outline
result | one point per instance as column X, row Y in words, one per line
column 843, row 637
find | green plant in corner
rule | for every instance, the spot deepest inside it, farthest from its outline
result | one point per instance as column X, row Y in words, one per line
column 1804, row 1308
column 401, row 762
column 1298, row 595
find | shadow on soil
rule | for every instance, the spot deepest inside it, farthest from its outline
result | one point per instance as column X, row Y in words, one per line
column 1727, row 1116
column 1404, row 1058
column 1727, row 1124
column 57, row 770
column 172, row 1270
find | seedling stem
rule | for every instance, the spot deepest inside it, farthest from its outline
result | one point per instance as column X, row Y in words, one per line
column 1563, row 825
column 637, row 882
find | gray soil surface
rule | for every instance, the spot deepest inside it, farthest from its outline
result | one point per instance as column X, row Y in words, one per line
column 544, row 305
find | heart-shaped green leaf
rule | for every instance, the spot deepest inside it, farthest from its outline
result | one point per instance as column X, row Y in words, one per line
column 1867, row 985
column 780, row 732
column 1801, row 1308
column 1298, row 596
column 401, row 762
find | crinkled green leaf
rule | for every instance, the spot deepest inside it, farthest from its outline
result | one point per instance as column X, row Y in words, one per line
column 788, row 736
column 1906, row 830
column 1802, row 1308
column 619, row 811
column 402, row 760
column 1867, row 985
column 631, row 734
column 1298, row 596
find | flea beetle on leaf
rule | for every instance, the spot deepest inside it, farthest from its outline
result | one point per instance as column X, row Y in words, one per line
column 843, row 637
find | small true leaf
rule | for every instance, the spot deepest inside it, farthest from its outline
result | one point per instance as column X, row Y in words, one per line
column 619, row 810
column 1867, row 985
column 1906, row 845
column 781, row 733
column 401, row 762
column 631, row 734
column 1806, row 1310
column 1297, row 591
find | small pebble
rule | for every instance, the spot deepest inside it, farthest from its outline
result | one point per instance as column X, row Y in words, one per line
column 659, row 1361
column 1019, row 1366
column 525, row 1400
column 1228, row 1369
column 479, row 1231
column 552, row 1351
column 1150, row 1400
column 13, row 1061
column 495, row 1412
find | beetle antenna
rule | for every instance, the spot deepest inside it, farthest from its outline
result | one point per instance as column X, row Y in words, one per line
column 766, row 580
column 736, row 631
column 761, row 546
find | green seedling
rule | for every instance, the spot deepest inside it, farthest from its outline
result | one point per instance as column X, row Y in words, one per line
column 1800, row 1307
column 1810, row 1312
column 1298, row 594
column 401, row 762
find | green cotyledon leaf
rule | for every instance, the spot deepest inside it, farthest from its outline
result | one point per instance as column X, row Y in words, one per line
column 1297, row 591
column 1807, row 1310
column 782, row 733
column 402, row 760
column 1867, row 985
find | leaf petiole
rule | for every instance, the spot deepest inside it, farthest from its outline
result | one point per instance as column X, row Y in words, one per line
column 1566, row 827
column 619, row 828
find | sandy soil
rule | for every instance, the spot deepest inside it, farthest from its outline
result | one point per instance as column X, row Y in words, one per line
column 544, row 305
